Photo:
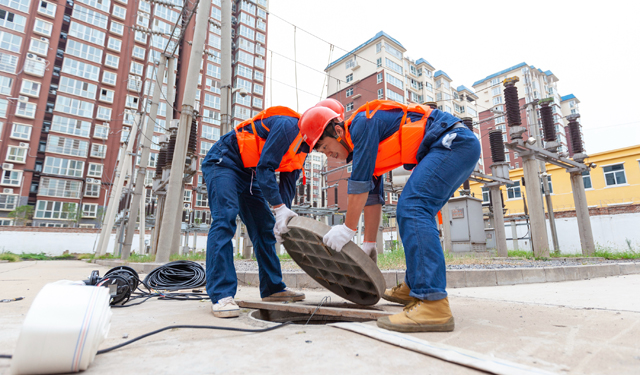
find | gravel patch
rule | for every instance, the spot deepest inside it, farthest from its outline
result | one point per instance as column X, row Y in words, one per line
column 290, row 266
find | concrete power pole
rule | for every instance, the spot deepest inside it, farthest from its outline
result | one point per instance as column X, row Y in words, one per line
column 145, row 147
column 124, row 165
column 225, row 61
column 173, row 203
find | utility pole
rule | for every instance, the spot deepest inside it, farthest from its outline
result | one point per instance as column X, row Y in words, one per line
column 173, row 204
column 225, row 62
column 145, row 147
column 142, row 226
column 124, row 165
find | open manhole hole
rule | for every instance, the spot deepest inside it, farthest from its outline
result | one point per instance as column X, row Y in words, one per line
column 301, row 318
column 298, row 313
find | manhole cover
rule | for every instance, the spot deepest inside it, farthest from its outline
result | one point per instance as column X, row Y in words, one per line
column 351, row 274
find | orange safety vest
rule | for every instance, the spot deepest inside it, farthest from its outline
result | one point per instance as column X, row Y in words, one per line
column 402, row 146
column 251, row 144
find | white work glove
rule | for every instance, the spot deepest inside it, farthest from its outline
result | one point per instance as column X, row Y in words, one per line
column 370, row 249
column 283, row 214
column 338, row 236
column 279, row 239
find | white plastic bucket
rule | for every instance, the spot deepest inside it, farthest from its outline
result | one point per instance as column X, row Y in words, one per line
column 63, row 329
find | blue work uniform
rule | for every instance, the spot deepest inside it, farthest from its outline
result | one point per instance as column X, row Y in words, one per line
column 446, row 157
column 235, row 190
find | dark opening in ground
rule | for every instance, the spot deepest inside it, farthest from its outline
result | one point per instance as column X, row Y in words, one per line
column 300, row 318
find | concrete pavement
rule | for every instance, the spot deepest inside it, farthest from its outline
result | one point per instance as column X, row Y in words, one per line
column 573, row 327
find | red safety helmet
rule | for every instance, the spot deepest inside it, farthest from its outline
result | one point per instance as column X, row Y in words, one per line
column 313, row 121
column 334, row 105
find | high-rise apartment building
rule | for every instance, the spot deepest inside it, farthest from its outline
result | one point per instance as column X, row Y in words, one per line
column 534, row 84
column 380, row 69
column 75, row 75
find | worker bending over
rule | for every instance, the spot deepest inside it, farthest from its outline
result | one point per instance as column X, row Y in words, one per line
column 239, row 171
column 440, row 151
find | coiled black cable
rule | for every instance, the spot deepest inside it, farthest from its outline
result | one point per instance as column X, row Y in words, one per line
column 9, row 356
column 181, row 274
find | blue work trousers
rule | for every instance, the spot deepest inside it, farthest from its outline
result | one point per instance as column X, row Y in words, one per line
column 449, row 162
column 232, row 191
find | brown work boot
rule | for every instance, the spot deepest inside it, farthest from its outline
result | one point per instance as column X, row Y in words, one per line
column 398, row 294
column 286, row 295
column 421, row 316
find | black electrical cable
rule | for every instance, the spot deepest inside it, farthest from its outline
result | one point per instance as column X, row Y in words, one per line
column 181, row 274
column 9, row 356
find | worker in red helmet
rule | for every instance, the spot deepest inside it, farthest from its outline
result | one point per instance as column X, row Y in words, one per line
column 441, row 152
column 239, row 171
column 333, row 105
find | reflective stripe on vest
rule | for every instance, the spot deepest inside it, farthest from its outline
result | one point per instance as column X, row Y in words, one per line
column 251, row 145
column 402, row 146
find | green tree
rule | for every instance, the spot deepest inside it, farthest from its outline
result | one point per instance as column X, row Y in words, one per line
column 21, row 215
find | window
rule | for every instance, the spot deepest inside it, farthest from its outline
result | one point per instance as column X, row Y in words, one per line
column 205, row 147
column 76, row 87
column 11, row 178
column 98, row 151
column 86, row 33
column 495, row 91
column 485, row 195
column 116, row 28
column 95, row 170
column 21, row 131
column 392, row 95
column 187, row 195
column 209, row 132
column 29, row 88
column 80, row 69
column 71, row 126
column 349, row 77
column 132, row 102
column 89, row 210
column 54, row 187
column 47, row 9
column 119, row 12
column 614, row 175
column 92, row 190
column 74, row 106
column 27, row 110
column 380, row 93
column 258, row 76
column 10, row 42
column 349, row 107
column 379, row 62
column 214, row 71
column 63, row 167
column 114, row 44
column 513, row 191
column 258, row 89
column 244, row 71
column 34, row 67
column 549, row 184
column 257, row 102
column 393, row 66
column 586, row 179
column 202, row 200
column 21, row 5
column 106, row 95
column 393, row 52
column 497, row 100
column 55, row 210
column 12, row 21
column 8, row 203
column 109, row 78
column 5, row 85
column 67, row 146
column 136, row 68
column 379, row 77
column 104, row 113
column 89, row 16
column 395, row 81
column 101, row 131
column 112, row 61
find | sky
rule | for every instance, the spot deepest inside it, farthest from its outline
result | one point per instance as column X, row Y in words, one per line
column 592, row 47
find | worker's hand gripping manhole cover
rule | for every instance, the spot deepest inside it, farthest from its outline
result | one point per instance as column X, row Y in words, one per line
column 351, row 274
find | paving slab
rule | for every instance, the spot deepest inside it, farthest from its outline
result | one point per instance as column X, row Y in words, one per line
column 509, row 276
column 533, row 275
column 573, row 327
column 554, row 274
column 480, row 278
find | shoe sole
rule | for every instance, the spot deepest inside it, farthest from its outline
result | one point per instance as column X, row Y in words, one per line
column 227, row 314
column 385, row 323
column 396, row 299
column 283, row 299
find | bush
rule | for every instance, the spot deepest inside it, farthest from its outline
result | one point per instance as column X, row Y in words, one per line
column 11, row 257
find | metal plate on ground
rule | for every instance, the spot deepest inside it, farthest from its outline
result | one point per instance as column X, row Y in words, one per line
column 350, row 273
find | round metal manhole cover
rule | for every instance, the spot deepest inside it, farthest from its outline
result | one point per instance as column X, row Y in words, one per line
column 351, row 274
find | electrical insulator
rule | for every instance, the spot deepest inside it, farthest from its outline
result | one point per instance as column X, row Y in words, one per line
column 161, row 160
column 193, row 135
column 433, row 105
column 497, row 146
column 170, row 148
column 335, row 192
column 546, row 114
column 576, row 136
column 511, row 102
